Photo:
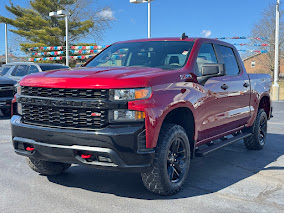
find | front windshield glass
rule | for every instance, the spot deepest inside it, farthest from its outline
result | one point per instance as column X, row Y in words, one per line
column 5, row 69
column 159, row 54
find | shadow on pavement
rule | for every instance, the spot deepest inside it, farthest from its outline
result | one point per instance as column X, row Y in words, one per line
column 207, row 175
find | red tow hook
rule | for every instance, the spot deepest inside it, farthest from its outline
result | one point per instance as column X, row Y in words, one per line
column 30, row 149
column 86, row 156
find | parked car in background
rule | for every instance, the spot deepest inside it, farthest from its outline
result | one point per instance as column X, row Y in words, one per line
column 6, row 95
column 21, row 69
column 5, row 68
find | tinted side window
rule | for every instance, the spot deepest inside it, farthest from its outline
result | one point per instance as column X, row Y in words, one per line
column 206, row 55
column 20, row 71
column 33, row 69
column 229, row 60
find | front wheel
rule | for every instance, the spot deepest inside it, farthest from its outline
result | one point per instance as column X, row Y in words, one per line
column 47, row 167
column 259, row 131
column 171, row 164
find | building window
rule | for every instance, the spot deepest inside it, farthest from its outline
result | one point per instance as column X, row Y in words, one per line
column 252, row 64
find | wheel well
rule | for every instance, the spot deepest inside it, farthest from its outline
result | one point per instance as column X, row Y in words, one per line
column 265, row 104
column 183, row 117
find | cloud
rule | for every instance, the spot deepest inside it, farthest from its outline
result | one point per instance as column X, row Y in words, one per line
column 206, row 33
column 107, row 14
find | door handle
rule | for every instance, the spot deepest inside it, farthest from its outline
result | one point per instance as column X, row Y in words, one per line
column 224, row 86
column 246, row 84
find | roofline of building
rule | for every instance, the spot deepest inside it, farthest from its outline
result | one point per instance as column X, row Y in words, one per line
column 252, row 56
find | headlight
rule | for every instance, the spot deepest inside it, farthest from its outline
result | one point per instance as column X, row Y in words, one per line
column 131, row 94
column 126, row 116
column 19, row 89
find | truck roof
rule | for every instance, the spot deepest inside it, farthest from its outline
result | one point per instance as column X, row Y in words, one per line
column 204, row 40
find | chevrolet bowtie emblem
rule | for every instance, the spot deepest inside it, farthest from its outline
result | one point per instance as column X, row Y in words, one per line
column 96, row 114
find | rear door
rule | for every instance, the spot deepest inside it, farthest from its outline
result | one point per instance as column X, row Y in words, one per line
column 238, row 87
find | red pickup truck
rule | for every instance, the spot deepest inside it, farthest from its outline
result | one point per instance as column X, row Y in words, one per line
column 146, row 106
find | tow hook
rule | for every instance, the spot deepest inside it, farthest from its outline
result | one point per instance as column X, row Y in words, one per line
column 86, row 156
column 30, row 148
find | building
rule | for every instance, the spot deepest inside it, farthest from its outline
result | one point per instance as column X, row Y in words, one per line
column 259, row 63
column 11, row 58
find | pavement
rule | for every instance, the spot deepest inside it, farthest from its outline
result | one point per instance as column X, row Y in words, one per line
column 231, row 179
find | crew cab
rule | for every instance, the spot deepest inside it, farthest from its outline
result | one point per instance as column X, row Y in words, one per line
column 146, row 106
column 6, row 95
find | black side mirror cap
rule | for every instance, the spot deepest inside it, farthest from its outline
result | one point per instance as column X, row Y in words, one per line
column 212, row 70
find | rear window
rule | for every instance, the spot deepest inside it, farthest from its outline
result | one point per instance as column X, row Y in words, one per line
column 52, row 67
column 5, row 69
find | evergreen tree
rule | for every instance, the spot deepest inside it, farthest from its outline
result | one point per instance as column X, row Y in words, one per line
column 39, row 29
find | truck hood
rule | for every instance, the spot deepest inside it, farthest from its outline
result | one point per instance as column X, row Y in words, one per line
column 4, row 80
column 94, row 77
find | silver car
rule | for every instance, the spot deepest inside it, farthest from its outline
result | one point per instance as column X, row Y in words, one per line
column 20, row 69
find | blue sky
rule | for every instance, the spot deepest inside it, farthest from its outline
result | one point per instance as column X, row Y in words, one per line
column 170, row 18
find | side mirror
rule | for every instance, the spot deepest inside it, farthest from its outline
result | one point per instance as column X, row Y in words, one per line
column 212, row 70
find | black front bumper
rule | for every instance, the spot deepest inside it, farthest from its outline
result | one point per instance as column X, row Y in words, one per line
column 5, row 103
column 114, row 147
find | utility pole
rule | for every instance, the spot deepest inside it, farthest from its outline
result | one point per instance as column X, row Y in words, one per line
column 6, row 42
column 149, row 19
column 275, row 87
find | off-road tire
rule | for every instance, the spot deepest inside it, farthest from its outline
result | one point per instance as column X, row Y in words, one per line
column 257, row 140
column 6, row 112
column 47, row 168
column 157, row 179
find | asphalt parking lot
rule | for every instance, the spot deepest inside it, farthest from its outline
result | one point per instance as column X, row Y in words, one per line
column 232, row 179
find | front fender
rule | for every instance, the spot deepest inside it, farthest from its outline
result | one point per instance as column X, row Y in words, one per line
column 161, row 103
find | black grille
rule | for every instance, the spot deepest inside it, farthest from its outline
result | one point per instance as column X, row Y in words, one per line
column 6, row 93
column 65, row 93
column 64, row 117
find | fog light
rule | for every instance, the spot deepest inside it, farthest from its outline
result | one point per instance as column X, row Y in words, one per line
column 126, row 116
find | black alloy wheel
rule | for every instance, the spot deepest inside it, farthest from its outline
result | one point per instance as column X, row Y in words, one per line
column 171, row 163
column 177, row 160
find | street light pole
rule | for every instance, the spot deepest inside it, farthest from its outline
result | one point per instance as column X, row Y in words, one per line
column 275, row 87
column 149, row 12
column 67, row 42
column 6, row 42
column 149, row 19
column 60, row 14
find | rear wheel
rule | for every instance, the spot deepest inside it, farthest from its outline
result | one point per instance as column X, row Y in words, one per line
column 171, row 164
column 259, row 131
column 6, row 112
column 47, row 167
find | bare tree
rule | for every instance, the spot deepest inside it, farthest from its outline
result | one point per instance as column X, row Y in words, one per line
column 265, row 28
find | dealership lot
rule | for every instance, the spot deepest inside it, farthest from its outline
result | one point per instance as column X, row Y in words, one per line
column 232, row 179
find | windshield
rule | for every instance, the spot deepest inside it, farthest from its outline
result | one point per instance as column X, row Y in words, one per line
column 5, row 69
column 159, row 54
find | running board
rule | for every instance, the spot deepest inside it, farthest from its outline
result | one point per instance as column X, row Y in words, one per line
column 208, row 150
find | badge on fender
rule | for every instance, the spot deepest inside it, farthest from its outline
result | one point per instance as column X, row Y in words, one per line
column 184, row 77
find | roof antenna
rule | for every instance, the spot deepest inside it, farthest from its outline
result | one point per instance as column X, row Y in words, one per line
column 183, row 36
